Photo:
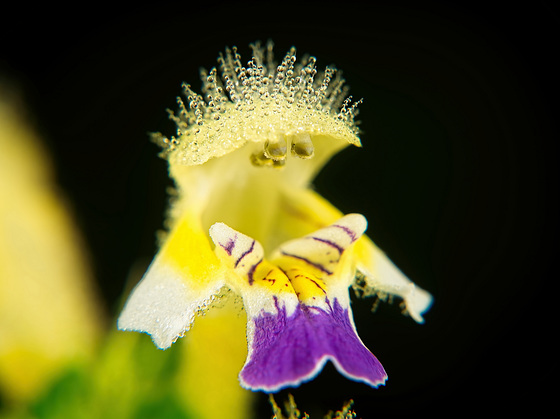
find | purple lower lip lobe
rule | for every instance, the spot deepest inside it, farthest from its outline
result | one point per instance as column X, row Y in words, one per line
column 288, row 350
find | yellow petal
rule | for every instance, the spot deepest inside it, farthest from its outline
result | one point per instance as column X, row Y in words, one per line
column 320, row 252
column 214, row 351
column 305, row 211
column 48, row 312
column 184, row 278
column 250, row 275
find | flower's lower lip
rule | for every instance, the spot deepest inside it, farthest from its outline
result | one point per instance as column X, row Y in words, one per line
column 286, row 350
column 293, row 330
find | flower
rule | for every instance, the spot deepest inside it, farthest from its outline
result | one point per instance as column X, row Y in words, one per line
column 50, row 315
column 243, row 160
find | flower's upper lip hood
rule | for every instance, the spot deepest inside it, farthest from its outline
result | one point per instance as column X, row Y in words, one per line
column 237, row 127
column 259, row 103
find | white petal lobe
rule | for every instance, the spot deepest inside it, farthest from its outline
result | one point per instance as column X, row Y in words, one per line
column 163, row 306
column 386, row 277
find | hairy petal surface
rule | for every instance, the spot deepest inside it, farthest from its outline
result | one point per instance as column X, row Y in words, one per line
column 183, row 279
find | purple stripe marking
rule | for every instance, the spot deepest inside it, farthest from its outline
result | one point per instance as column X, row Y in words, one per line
column 252, row 272
column 329, row 243
column 316, row 265
column 318, row 286
column 287, row 351
column 245, row 253
column 314, row 282
column 347, row 230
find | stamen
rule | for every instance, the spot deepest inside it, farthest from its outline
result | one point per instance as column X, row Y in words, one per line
column 277, row 149
column 260, row 159
column 302, row 146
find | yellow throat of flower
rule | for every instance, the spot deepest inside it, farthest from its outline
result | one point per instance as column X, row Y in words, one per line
column 256, row 132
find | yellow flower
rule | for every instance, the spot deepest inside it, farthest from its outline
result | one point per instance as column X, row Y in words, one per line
column 49, row 313
column 243, row 160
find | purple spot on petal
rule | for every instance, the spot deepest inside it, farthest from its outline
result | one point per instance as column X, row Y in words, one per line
column 289, row 350
column 228, row 247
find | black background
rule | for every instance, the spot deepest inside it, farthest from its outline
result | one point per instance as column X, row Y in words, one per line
column 457, row 175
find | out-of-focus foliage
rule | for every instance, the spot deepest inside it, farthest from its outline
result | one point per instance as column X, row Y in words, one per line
column 129, row 379
column 291, row 410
